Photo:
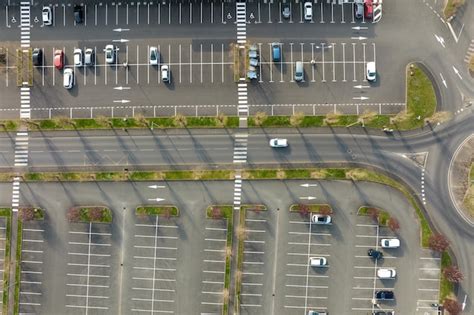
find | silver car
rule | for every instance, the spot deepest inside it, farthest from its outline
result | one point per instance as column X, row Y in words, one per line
column 68, row 79
column 358, row 9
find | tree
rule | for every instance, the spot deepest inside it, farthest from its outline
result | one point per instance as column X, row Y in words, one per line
column 438, row 242
column 297, row 119
column 393, row 224
column 102, row 120
column 260, row 118
column 216, row 212
column 141, row 120
column 452, row 306
column 180, row 120
column 373, row 213
column 221, row 120
column 367, row 116
column 26, row 214
column 303, row 209
column 453, row 274
column 73, row 214
column 332, row 118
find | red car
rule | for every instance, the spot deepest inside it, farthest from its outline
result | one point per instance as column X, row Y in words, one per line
column 58, row 59
column 368, row 9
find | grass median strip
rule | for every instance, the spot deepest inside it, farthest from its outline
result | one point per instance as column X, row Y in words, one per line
column 446, row 288
column 164, row 210
column 7, row 214
column 94, row 214
column 19, row 240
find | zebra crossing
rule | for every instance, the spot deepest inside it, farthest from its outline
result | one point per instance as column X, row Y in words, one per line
column 470, row 52
column 25, row 23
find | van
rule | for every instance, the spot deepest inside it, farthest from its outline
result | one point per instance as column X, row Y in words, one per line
column 299, row 71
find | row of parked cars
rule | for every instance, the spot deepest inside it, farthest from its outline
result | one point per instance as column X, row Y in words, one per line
column 362, row 9
column 47, row 15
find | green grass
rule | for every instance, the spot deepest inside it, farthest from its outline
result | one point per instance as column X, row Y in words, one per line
column 226, row 211
column 253, row 207
column 157, row 210
column 240, row 256
column 218, row 174
column 178, row 175
column 6, row 212
column 87, row 124
column 9, row 125
column 142, row 175
column 312, row 207
column 335, row 173
column 446, row 288
column 451, row 7
column 297, row 173
column 16, row 299
column 109, row 176
column 84, row 215
column 312, row 121
column 33, row 176
column 383, row 216
column 261, row 174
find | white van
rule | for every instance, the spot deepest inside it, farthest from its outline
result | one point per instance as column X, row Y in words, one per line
column 299, row 71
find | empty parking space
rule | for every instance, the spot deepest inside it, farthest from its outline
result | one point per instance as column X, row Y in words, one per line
column 90, row 269
column 154, row 266
column 429, row 269
column 32, row 265
column 306, row 287
column 213, row 270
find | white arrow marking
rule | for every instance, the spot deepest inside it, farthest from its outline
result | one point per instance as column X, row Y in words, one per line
column 308, row 198
column 122, row 101
column 122, row 88
column 156, row 199
column 156, row 186
column 359, row 38
column 360, row 98
column 358, row 28
column 457, row 72
column 361, row 86
column 443, row 80
column 308, row 185
column 120, row 40
column 440, row 40
column 121, row 29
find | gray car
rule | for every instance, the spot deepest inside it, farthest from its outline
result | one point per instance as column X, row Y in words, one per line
column 358, row 9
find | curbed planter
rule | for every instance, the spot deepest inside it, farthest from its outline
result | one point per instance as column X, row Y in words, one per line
column 92, row 214
column 311, row 207
column 30, row 214
column 161, row 211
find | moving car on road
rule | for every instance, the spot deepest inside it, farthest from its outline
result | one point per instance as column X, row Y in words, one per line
column 384, row 295
column 47, row 15
column 110, row 54
column 321, row 219
column 308, row 11
column 371, row 71
column 390, row 242
column 278, row 143
column 78, row 57
column 318, row 261
column 58, row 59
column 37, row 57
column 68, row 78
column 386, row 273
column 154, row 56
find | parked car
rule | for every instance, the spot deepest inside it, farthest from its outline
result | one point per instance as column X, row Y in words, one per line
column 252, row 75
column 110, row 54
column 68, row 78
column 384, row 295
column 278, row 143
column 299, row 71
column 37, row 57
column 78, row 14
column 359, row 9
column 89, row 57
column 321, row 219
column 386, row 273
column 78, row 57
column 390, row 242
column 276, row 52
column 58, row 59
column 312, row 312
column 253, row 62
column 165, row 74
column 371, row 71
column 47, row 15
column 383, row 313
column 286, row 11
column 375, row 254
column 368, row 9
column 308, row 11
column 154, row 56
column 318, row 261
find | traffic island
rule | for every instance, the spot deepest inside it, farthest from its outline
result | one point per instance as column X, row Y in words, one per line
column 165, row 211
column 89, row 214
column 382, row 217
column 7, row 214
column 306, row 209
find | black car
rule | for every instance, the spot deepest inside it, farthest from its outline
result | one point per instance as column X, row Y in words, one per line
column 78, row 14
column 375, row 254
column 37, row 57
column 384, row 295
column 383, row 313
column 286, row 11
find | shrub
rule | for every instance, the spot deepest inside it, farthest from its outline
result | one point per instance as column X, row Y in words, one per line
column 180, row 120
column 260, row 118
column 303, row 209
column 216, row 213
column 438, row 242
column 453, row 274
column 374, row 213
column 26, row 214
column 452, row 306
column 296, row 119
column 73, row 214
column 393, row 224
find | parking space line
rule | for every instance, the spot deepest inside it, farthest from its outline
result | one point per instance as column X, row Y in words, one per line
column 92, row 233
column 93, row 244
column 84, row 254
column 343, row 61
column 88, row 264
column 363, row 46
column 90, row 275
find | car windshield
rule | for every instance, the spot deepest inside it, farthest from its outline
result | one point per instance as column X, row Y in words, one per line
column 109, row 53
column 153, row 55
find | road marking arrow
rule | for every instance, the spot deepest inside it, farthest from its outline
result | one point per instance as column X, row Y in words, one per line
column 443, row 80
column 361, row 86
column 120, row 40
column 156, row 199
column 457, row 72
column 308, row 198
column 362, row 98
column 121, row 29
column 122, row 101
column 120, row 88
column 309, row 185
column 156, row 186
column 359, row 38
column 358, row 28
column 440, row 40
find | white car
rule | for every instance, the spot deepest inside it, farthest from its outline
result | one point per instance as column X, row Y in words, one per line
column 308, row 11
column 371, row 71
column 386, row 273
column 318, row 261
column 78, row 57
column 47, row 16
column 278, row 143
column 321, row 219
column 154, row 56
column 390, row 243
column 110, row 54
column 89, row 57
column 165, row 74
column 68, row 78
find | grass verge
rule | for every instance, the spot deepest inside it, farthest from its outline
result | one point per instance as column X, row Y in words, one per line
column 165, row 210
column 311, row 207
column 451, row 7
column 16, row 299
column 240, row 257
column 446, row 288
column 93, row 214
column 7, row 213
column 382, row 217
